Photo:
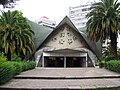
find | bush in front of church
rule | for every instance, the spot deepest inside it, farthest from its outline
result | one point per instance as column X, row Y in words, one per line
column 28, row 65
column 8, row 69
column 18, row 67
column 113, row 65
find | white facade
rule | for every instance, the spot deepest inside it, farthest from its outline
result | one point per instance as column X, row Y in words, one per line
column 44, row 21
column 106, row 44
column 78, row 15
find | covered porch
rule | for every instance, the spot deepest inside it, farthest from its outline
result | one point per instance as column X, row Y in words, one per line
column 65, row 58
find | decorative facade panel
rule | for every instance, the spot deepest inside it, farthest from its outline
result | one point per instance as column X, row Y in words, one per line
column 66, row 37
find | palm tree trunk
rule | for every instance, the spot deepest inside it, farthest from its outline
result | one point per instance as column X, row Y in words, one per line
column 113, row 38
column 9, row 55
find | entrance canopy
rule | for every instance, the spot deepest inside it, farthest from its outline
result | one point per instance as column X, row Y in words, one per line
column 64, row 52
column 82, row 56
column 64, row 58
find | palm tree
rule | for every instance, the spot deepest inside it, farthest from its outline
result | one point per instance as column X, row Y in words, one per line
column 15, row 34
column 104, row 22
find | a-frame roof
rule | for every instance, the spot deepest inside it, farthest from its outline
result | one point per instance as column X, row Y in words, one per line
column 95, row 47
column 40, row 33
column 67, row 21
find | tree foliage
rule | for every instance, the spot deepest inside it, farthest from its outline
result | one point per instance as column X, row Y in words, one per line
column 8, row 3
column 104, row 22
column 15, row 34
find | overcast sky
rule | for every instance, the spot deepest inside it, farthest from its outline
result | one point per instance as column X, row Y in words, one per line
column 55, row 10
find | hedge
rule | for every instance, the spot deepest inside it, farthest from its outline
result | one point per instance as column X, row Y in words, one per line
column 9, row 69
column 18, row 67
column 28, row 65
column 24, row 66
column 6, row 72
column 32, row 65
column 113, row 65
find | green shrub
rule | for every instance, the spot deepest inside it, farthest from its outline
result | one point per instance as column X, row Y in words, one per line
column 113, row 65
column 18, row 67
column 2, row 57
column 16, row 58
column 25, row 66
column 32, row 64
column 6, row 72
column 28, row 65
column 112, row 58
column 9, row 69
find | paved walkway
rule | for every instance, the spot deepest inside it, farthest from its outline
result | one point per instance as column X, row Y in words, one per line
column 68, row 73
column 64, row 78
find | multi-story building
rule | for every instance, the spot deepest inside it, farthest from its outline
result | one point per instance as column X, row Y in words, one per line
column 78, row 14
column 44, row 21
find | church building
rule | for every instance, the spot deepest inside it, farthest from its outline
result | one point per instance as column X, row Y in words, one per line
column 65, row 46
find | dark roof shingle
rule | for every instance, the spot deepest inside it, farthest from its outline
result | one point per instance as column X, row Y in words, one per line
column 41, row 33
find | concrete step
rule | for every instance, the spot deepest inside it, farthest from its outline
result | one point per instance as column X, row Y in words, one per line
column 64, row 77
column 67, row 73
column 72, row 84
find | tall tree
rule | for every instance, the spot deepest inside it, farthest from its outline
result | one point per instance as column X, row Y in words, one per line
column 15, row 34
column 8, row 3
column 104, row 22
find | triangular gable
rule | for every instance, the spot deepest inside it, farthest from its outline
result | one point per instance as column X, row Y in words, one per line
column 65, row 37
column 68, row 22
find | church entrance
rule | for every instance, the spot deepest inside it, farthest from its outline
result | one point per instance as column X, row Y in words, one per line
column 52, row 61
column 75, row 61
column 64, row 60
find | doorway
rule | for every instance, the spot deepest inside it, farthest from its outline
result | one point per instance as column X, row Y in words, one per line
column 54, row 61
column 75, row 61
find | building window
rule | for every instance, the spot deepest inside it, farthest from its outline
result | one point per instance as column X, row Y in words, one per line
column 53, row 24
column 85, row 9
column 72, row 12
column 40, row 22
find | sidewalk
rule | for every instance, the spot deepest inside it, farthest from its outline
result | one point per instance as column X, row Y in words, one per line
column 64, row 79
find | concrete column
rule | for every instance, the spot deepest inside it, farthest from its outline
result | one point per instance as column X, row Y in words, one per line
column 43, row 63
column 64, row 61
column 86, row 61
